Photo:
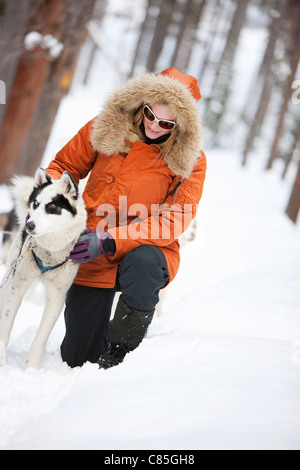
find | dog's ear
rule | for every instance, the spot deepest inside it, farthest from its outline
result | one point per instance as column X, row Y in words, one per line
column 41, row 177
column 22, row 187
column 69, row 186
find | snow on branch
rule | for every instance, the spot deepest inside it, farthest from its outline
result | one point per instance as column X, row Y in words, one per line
column 47, row 42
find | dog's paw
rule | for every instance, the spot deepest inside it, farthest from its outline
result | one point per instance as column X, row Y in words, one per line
column 2, row 353
column 33, row 363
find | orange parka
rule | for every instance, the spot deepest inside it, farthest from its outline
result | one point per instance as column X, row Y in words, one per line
column 132, row 192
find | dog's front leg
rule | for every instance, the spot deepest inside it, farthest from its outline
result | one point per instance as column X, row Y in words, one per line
column 12, row 299
column 52, row 311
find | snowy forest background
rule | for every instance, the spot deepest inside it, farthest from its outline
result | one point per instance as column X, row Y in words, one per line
column 250, row 100
column 220, row 368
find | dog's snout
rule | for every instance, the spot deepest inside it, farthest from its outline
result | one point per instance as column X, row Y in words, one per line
column 30, row 226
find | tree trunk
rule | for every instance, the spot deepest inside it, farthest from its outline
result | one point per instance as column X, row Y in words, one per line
column 295, row 57
column 255, row 95
column 260, row 115
column 221, row 88
column 31, row 74
column 215, row 29
column 294, row 202
column 13, row 27
column 41, row 80
column 146, row 34
column 187, row 33
column 232, row 40
column 72, row 35
column 99, row 13
column 289, row 157
column 160, row 33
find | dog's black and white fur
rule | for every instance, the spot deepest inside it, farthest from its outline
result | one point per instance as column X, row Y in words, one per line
column 51, row 216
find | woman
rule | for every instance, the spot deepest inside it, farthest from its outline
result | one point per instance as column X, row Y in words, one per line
column 147, row 170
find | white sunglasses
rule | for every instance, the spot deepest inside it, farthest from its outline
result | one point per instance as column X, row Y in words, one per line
column 163, row 123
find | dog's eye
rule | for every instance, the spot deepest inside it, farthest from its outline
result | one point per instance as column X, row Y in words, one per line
column 52, row 208
column 35, row 204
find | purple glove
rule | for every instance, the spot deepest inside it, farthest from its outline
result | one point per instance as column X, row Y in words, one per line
column 89, row 246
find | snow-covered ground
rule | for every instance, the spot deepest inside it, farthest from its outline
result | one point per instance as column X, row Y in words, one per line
column 219, row 370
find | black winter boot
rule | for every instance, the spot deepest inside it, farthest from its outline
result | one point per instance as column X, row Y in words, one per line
column 129, row 328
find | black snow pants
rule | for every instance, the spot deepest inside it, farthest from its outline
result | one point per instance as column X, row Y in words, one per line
column 141, row 275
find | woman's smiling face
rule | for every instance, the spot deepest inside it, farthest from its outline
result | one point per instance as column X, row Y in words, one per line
column 152, row 128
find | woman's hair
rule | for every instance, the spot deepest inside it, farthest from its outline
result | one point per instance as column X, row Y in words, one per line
column 166, row 146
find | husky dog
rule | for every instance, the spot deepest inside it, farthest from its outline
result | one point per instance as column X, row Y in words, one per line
column 51, row 215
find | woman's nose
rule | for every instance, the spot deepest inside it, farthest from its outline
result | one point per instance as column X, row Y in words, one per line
column 154, row 126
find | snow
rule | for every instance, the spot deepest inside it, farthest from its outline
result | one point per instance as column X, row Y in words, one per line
column 47, row 42
column 32, row 40
column 220, row 369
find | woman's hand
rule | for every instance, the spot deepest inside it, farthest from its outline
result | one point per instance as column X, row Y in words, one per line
column 91, row 245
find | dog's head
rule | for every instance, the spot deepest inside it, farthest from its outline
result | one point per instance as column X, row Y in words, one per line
column 55, row 207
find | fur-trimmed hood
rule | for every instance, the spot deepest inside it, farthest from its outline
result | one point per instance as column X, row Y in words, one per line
column 114, row 125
